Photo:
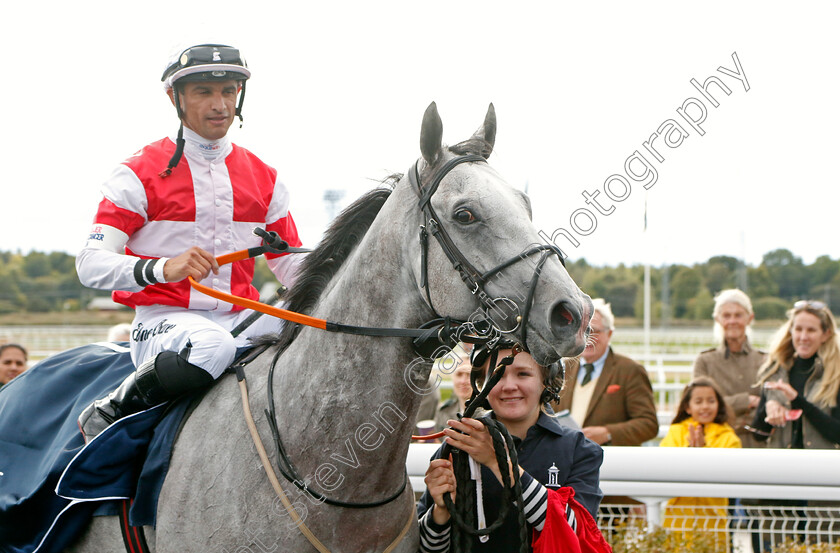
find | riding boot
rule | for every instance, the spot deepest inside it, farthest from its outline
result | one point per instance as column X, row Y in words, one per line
column 155, row 381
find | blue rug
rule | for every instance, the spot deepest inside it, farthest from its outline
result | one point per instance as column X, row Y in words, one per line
column 50, row 483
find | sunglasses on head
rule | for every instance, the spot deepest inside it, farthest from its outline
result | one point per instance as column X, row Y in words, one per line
column 816, row 305
column 210, row 54
column 206, row 54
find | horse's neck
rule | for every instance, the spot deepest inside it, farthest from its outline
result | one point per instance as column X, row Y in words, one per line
column 349, row 393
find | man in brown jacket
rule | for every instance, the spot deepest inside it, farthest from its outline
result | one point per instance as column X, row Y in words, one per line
column 608, row 394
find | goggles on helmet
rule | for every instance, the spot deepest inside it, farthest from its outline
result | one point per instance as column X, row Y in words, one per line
column 206, row 62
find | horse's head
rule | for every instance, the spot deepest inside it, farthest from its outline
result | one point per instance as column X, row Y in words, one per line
column 483, row 258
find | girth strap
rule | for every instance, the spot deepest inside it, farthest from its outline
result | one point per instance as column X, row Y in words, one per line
column 133, row 537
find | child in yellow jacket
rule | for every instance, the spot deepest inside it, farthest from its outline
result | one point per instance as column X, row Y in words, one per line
column 701, row 421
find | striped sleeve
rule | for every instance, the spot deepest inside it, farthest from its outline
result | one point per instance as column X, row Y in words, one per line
column 434, row 538
column 536, row 501
column 536, row 504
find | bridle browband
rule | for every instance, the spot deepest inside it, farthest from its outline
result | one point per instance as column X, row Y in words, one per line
column 472, row 277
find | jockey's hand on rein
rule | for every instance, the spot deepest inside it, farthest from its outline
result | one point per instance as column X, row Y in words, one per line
column 195, row 262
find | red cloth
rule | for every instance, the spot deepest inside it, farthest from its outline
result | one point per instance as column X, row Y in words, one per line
column 557, row 536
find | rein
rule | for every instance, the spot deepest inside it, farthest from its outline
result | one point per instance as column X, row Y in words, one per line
column 440, row 329
column 275, row 482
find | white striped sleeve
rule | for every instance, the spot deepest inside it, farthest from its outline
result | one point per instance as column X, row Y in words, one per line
column 536, row 501
column 434, row 538
column 570, row 517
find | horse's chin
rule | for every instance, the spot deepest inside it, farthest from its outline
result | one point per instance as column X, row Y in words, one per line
column 546, row 353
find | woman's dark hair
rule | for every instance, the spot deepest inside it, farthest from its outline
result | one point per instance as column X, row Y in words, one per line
column 724, row 413
column 4, row 347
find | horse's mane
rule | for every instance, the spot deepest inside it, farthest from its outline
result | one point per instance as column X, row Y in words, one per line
column 319, row 266
column 341, row 238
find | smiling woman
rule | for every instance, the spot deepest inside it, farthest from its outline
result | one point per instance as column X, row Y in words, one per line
column 553, row 460
column 799, row 407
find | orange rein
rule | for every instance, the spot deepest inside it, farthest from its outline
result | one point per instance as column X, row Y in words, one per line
column 255, row 305
column 284, row 314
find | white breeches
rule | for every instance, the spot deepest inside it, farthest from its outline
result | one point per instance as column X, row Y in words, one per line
column 158, row 328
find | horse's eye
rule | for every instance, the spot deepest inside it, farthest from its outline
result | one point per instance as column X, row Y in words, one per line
column 464, row 216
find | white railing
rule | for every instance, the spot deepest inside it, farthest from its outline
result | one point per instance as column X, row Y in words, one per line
column 661, row 473
column 654, row 475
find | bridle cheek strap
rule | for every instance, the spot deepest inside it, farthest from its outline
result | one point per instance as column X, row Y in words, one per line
column 472, row 277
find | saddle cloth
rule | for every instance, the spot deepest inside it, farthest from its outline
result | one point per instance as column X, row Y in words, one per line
column 50, row 482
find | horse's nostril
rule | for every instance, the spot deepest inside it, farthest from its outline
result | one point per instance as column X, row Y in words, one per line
column 562, row 316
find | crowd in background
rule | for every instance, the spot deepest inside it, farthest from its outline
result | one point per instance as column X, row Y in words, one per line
column 739, row 396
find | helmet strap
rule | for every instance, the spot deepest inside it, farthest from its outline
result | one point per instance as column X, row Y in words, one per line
column 179, row 151
column 177, row 99
column 238, row 111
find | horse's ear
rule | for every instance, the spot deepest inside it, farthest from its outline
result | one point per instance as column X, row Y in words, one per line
column 431, row 134
column 487, row 131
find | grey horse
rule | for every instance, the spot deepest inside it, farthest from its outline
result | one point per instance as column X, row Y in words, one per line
column 346, row 404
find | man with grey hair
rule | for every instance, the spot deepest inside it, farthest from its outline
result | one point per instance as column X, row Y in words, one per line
column 610, row 395
column 733, row 364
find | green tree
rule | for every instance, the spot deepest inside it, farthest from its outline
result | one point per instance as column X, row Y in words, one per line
column 622, row 296
column 719, row 276
column 770, row 308
column 62, row 263
column 788, row 272
column 730, row 262
column 685, row 285
column 761, row 283
column 822, row 270
column 699, row 308
column 36, row 264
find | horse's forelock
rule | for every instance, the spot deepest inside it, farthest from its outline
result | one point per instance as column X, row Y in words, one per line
column 473, row 145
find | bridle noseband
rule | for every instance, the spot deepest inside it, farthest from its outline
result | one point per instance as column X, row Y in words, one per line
column 472, row 277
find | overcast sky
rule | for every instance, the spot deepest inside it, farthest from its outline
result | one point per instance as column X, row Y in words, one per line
column 339, row 89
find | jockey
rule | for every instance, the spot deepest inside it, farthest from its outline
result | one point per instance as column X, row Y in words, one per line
column 167, row 212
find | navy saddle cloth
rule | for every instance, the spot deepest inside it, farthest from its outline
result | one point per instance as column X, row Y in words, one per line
column 50, row 483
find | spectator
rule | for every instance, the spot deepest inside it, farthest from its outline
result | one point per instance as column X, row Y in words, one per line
column 701, row 421
column 13, row 359
column 119, row 333
column 800, row 401
column 734, row 364
column 447, row 364
column 552, row 459
column 613, row 400
column 799, row 407
column 461, row 391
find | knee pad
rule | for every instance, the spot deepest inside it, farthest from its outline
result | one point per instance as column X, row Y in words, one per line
column 176, row 375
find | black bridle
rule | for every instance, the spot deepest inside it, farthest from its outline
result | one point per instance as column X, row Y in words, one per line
column 472, row 277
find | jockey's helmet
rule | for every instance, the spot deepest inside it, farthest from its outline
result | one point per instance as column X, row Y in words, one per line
column 206, row 62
